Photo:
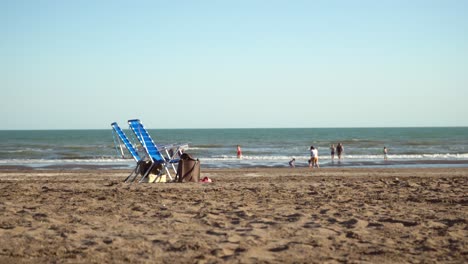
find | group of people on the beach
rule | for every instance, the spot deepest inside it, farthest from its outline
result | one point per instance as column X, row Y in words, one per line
column 313, row 161
column 338, row 150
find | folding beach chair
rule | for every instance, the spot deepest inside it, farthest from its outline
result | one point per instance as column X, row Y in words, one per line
column 123, row 139
column 161, row 157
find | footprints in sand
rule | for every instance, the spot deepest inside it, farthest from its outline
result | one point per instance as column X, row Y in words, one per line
column 398, row 221
column 40, row 217
column 247, row 221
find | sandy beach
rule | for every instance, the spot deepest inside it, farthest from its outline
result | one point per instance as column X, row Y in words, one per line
column 244, row 216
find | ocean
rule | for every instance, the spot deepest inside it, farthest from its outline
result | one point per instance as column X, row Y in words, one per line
column 216, row 148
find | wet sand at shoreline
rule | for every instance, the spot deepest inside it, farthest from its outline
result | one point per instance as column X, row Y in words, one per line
column 275, row 215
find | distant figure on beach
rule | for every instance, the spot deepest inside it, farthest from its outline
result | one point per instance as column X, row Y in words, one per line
column 310, row 160
column 339, row 150
column 385, row 151
column 313, row 162
column 332, row 152
column 292, row 163
column 239, row 152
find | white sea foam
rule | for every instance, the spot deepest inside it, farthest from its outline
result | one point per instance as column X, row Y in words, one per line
column 195, row 148
column 65, row 161
column 463, row 156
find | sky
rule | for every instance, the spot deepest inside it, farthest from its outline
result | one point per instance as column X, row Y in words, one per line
column 233, row 64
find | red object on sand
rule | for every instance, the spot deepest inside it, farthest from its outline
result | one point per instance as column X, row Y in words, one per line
column 206, row 180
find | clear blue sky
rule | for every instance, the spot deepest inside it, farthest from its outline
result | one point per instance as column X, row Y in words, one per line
column 217, row 64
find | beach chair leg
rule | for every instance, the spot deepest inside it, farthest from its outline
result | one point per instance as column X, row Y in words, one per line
column 133, row 172
column 174, row 168
column 147, row 172
column 172, row 157
column 128, row 177
column 168, row 154
column 158, row 177
column 137, row 172
column 168, row 173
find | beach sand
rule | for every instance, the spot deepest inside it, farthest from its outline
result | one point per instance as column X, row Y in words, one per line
column 247, row 216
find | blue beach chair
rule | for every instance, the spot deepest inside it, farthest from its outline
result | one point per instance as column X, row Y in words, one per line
column 122, row 138
column 160, row 157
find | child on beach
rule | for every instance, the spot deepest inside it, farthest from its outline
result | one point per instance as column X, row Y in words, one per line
column 385, row 150
column 332, row 152
column 292, row 163
column 239, row 152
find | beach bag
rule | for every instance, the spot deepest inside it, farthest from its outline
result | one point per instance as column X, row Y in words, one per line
column 188, row 169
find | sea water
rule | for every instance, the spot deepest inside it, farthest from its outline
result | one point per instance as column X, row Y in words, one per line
column 216, row 148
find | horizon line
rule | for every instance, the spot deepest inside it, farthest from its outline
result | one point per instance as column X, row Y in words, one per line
column 45, row 129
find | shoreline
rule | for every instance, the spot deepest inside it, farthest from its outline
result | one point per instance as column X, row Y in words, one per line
column 240, row 164
column 275, row 215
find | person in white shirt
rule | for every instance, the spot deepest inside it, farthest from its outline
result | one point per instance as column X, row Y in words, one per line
column 313, row 157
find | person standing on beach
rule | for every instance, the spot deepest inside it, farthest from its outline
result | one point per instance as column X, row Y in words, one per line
column 339, row 150
column 332, row 152
column 292, row 163
column 310, row 160
column 385, row 151
column 313, row 157
column 239, row 152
